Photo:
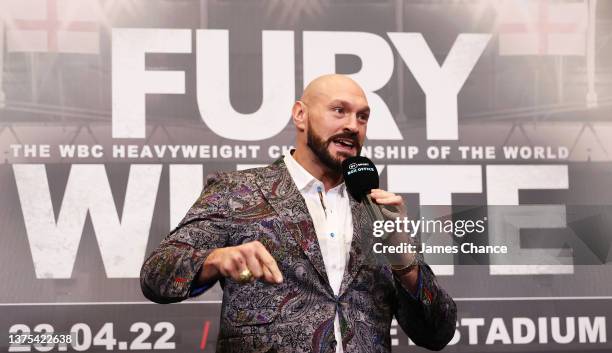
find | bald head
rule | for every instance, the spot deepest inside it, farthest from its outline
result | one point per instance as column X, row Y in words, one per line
column 329, row 85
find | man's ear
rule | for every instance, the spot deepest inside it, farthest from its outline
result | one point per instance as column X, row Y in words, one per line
column 299, row 115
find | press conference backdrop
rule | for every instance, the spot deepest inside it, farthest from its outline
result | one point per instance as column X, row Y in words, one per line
column 113, row 112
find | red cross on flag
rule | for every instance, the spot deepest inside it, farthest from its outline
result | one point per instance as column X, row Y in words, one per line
column 542, row 27
column 57, row 26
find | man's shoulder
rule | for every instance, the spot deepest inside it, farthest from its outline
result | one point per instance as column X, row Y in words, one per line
column 249, row 177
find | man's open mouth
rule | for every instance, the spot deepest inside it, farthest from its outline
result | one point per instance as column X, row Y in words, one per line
column 344, row 143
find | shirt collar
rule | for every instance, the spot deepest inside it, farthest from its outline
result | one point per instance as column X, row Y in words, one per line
column 302, row 178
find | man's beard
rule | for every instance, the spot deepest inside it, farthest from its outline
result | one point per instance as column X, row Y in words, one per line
column 321, row 150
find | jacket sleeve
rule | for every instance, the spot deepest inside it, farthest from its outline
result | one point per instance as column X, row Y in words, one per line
column 429, row 318
column 167, row 275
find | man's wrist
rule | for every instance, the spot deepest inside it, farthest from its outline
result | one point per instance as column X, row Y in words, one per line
column 208, row 272
column 403, row 269
column 408, row 274
column 409, row 278
column 409, row 264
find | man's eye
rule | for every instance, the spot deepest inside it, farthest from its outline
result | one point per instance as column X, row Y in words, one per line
column 364, row 117
column 338, row 109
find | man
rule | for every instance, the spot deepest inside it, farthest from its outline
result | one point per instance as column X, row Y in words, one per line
column 292, row 249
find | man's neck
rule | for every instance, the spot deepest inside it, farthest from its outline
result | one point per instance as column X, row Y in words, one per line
column 313, row 165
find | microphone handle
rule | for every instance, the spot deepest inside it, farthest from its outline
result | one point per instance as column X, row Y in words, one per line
column 373, row 209
column 374, row 212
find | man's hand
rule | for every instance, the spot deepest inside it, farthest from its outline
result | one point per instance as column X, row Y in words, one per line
column 391, row 200
column 408, row 275
column 233, row 260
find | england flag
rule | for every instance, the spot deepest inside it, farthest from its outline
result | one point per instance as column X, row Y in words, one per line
column 52, row 26
column 542, row 27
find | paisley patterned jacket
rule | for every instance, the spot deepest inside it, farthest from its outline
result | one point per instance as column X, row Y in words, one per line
column 298, row 315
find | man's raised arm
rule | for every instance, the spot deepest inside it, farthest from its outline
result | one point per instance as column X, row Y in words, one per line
column 171, row 273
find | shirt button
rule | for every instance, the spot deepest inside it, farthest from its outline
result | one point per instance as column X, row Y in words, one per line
column 332, row 234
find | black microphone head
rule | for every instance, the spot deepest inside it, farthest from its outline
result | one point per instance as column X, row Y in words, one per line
column 360, row 176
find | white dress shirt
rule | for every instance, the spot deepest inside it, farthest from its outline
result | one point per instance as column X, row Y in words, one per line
column 333, row 222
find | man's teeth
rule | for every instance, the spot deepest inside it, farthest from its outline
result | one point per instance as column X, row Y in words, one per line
column 347, row 143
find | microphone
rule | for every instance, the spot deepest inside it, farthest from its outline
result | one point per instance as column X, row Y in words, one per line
column 360, row 177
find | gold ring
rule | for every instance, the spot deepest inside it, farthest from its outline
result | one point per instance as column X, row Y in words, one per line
column 245, row 276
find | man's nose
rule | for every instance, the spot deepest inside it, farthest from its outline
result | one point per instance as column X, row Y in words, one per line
column 351, row 123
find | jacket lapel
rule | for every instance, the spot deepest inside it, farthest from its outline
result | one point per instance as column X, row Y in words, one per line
column 281, row 192
column 361, row 245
